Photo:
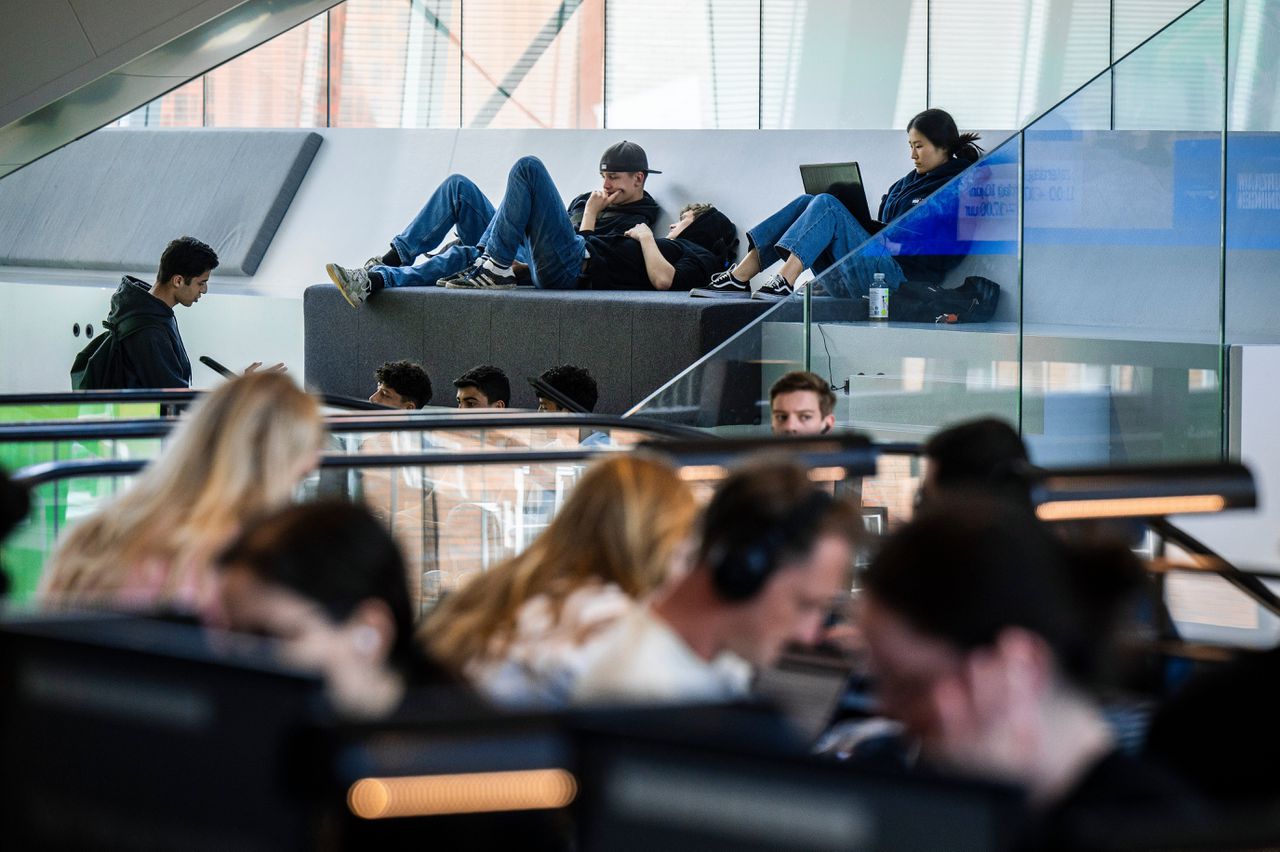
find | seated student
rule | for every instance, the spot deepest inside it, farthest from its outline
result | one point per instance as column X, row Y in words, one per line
column 401, row 384
column 240, row 451
column 328, row 581
column 15, row 503
column 700, row 242
column 801, row 403
column 484, row 386
column 574, row 382
column 986, row 634
column 773, row 552
column 620, row 204
column 983, row 454
column 816, row 231
column 525, row 630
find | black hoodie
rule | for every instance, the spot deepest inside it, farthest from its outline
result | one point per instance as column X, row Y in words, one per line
column 147, row 338
column 615, row 221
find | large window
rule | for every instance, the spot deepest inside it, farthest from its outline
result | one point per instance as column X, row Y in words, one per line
column 863, row 64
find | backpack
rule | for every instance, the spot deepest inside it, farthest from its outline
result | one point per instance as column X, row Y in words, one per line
column 100, row 364
column 973, row 301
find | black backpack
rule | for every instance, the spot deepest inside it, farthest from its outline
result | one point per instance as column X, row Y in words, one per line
column 100, row 364
column 973, row 301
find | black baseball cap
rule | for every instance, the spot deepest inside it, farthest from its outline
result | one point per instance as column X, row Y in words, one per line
column 626, row 156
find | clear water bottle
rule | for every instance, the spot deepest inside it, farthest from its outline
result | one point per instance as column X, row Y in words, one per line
column 879, row 298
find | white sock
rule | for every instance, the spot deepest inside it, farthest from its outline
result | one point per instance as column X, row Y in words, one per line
column 496, row 268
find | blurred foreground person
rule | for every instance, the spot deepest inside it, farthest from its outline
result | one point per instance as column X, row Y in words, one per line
column 984, row 455
column 15, row 503
column 328, row 581
column 524, row 631
column 775, row 550
column 985, row 634
column 241, row 452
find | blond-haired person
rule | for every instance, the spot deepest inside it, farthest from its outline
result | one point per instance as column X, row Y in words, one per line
column 525, row 630
column 240, row 452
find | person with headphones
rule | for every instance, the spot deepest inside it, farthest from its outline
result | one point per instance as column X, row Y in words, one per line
column 774, row 552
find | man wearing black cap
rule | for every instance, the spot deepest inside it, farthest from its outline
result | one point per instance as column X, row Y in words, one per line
column 621, row 203
column 562, row 258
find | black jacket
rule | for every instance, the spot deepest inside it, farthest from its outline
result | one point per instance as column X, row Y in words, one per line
column 931, row 233
column 153, row 356
column 614, row 221
column 914, row 187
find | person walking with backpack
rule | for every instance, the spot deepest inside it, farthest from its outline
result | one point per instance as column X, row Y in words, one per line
column 141, row 347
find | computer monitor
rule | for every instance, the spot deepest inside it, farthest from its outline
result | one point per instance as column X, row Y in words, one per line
column 128, row 733
column 642, row 793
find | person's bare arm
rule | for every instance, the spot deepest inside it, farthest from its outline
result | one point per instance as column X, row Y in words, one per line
column 660, row 272
column 597, row 201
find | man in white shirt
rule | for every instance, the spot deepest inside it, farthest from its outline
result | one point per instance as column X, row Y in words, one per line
column 775, row 551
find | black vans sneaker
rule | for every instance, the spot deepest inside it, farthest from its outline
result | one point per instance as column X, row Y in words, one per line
column 723, row 286
column 774, row 290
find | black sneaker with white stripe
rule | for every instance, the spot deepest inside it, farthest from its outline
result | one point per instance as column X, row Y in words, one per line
column 774, row 290
column 723, row 286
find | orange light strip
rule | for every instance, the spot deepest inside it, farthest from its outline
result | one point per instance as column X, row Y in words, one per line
column 466, row 793
column 827, row 474
column 1130, row 507
column 699, row 472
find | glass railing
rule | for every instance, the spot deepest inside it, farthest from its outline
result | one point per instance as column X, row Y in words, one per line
column 1126, row 250
column 468, row 493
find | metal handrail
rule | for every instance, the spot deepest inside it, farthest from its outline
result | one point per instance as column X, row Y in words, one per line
column 176, row 396
column 137, row 428
column 46, row 472
column 1246, row 582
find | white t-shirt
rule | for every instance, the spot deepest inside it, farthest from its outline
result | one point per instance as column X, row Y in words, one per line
column 646, row 661
column 545, row 656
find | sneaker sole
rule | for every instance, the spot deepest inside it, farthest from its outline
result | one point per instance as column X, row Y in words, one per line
column 762, row 297
column 720, row 294
column 456, row 286
column 331, row 270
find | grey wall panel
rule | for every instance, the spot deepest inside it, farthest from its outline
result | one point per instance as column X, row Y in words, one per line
column 115, row 199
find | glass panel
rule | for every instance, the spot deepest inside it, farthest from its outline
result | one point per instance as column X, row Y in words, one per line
column 1137, row 20
column 1121, row 266
column 817, row 56
column 394, row 63
column 1253, row 174
column 912, row 375
column 452, row 520
column 281, row 83
column 682, row 63
column 896, row 380
column 534, row 64
column 1046, row 49
column 55, row 506
column 183, row 107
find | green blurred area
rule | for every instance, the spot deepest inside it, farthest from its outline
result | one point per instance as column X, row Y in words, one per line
column 55, row 504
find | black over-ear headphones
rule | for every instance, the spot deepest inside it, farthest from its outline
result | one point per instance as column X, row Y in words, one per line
column 741, row 572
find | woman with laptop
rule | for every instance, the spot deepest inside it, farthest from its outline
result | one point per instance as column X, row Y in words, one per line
column 814, row 231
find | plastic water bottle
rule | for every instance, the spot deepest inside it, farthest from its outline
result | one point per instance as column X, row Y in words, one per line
column 879, row 298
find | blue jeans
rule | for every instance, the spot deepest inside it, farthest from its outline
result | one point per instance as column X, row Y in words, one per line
column 532, row 219
column 456, row 203
column 822, row 233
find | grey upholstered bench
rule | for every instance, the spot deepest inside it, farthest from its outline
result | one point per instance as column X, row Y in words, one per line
column 632, row 343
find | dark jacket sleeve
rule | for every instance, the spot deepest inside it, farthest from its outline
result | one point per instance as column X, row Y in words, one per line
column 151, row 361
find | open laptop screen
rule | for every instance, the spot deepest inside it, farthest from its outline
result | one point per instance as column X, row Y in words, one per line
column 844, row 181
